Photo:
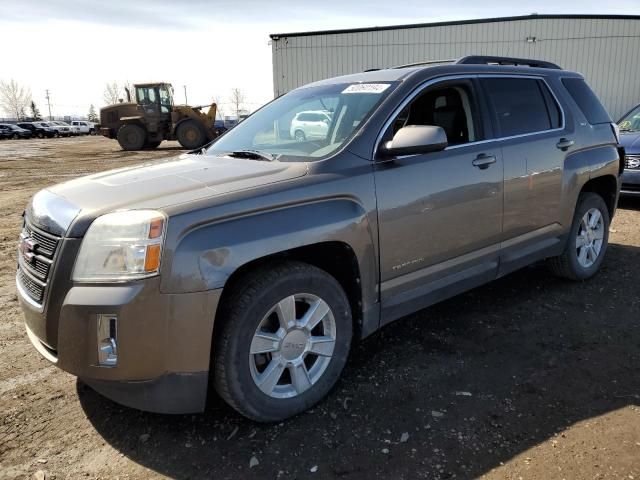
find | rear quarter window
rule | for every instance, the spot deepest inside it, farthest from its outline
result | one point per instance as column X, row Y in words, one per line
column 586, row 100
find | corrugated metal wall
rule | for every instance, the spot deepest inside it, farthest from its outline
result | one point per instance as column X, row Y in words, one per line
column 606, row 51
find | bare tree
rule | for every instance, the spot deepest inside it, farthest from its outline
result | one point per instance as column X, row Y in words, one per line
column 14, row 98
column 112, row 93
column 237, row 101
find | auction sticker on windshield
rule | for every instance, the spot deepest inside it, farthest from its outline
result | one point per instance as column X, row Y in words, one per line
column 366, row 88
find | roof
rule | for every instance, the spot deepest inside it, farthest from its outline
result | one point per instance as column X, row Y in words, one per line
column 277, row 36
column 401, row 73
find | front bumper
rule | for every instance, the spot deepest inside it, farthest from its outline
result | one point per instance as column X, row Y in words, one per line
column 630, row 182
column 163, row 342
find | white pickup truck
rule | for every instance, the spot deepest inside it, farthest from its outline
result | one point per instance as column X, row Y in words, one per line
column 86, row 128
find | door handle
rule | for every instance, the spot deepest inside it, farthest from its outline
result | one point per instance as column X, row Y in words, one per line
column 483, row 161
column 564, row 144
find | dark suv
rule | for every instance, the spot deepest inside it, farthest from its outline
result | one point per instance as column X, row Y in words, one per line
column 38, row 130
column 252, row 265
column 10, row 130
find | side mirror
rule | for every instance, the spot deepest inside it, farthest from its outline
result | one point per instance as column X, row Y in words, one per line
column 415, row 139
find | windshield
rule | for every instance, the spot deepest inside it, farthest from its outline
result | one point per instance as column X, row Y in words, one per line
column 305, row 124
column 631, row 123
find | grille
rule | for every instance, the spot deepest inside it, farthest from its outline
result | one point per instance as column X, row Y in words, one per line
column 632, row 162
column 33, row 289
column 35, row 257
column 46, row 243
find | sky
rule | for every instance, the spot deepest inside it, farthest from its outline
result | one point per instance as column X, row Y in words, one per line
column 74, row 47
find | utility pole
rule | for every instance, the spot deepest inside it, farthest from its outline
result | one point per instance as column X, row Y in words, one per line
column 49, row 104
column 186, row 102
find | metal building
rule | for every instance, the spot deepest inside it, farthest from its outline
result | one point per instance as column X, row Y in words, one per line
column 604, row 48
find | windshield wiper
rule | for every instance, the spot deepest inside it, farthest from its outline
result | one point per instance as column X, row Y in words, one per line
column 253, row 155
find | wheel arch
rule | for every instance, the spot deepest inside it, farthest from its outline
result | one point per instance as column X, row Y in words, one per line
column 334, row 257
column 607, row 187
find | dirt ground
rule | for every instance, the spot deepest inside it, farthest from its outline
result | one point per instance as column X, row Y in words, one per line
column 529, row 377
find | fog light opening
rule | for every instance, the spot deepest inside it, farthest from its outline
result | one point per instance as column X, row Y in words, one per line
column 107, row 340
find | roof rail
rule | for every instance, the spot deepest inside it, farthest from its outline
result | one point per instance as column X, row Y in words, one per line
column 428, row 62
column 491, row 60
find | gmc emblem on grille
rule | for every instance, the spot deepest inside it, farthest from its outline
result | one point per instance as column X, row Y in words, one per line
column 26, row 246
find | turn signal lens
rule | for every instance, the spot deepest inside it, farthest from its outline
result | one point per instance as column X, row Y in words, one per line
column 152, row 260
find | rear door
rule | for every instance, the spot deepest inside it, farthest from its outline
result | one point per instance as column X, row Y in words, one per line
column 440, row 213
column 535, row 140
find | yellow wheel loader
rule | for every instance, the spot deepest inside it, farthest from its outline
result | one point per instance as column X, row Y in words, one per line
column 152, row 118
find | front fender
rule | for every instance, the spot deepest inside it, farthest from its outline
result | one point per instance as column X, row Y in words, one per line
column 205, row 257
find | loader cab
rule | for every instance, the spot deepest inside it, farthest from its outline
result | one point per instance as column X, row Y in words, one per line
column 155, row 99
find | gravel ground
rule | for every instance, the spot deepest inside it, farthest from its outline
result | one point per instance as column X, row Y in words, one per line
column 528, row 377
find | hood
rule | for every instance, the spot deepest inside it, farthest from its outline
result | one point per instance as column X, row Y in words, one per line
column 630, row 141
column 167, row 182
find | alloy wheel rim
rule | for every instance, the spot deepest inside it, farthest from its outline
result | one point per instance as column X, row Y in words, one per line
column 292, row 346
column 590, row 237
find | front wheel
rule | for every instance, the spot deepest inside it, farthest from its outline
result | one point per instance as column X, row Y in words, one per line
column 191, row 135
column 300, row 136
column 149, row 145
column 285, row 337
column 132, row 137
column 587, row 242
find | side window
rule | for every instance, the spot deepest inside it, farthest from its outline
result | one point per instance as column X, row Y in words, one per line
column 451, row 106
column 519, row 105
column 586, row 100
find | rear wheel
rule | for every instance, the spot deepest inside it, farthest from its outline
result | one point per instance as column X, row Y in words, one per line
column 587, row 242
column 191, row 135
column 283, row 343
column 132, row 137
column 40, row 135
column 15, row 136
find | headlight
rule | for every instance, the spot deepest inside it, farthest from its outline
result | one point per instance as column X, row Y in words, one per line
column 121, row 246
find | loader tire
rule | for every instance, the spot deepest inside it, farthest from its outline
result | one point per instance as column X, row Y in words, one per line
column 132, row 137
column 151, row 145
column 191, row 135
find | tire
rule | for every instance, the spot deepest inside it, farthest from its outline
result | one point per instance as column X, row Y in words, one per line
column 300, row 136
column 40, row 135
column 132, row 137
column 15, row 136
column 577, row 262
column 151, row 145
column 191, row 135
column 236, row 371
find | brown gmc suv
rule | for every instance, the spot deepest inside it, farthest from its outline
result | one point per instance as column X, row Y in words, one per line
column 251, row 266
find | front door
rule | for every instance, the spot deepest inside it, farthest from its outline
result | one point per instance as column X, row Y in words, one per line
column 440, row 213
